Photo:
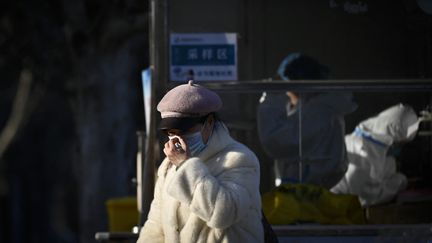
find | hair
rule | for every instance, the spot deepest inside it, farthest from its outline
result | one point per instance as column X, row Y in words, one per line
column 215, row 117
column 305, row 67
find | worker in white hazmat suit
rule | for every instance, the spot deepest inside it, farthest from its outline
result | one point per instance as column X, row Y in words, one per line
column 372, row 172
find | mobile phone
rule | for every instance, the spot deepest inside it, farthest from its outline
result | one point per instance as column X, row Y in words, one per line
column 178, row 146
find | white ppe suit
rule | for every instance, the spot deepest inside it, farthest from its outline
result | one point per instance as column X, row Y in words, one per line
column 372, row 174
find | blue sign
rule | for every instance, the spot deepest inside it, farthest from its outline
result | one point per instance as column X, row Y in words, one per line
column 203, row 56
column 183, row 55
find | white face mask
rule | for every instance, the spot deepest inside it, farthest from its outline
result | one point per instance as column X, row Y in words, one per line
column 194, row 141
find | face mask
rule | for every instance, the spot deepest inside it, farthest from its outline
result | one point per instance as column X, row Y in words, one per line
column 195, row 143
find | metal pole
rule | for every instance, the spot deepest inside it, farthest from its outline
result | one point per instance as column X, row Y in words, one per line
column 372, row 85
column 300, row 139
column 141, row 138
column 158, row 68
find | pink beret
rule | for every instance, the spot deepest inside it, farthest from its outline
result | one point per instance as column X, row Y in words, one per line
column 182, row 106
column 189, row 100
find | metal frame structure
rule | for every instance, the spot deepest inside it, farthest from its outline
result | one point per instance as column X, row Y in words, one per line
column 402, row 85
column 159, row 64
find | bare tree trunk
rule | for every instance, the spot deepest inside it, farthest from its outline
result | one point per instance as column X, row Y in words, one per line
column 106, row 125
column 18, row 111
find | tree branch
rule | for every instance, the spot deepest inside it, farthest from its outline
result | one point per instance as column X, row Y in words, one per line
column 19, row 106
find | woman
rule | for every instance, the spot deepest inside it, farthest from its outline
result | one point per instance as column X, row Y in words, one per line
column 208, row 184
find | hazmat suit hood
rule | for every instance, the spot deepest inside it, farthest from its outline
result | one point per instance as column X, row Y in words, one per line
column 372, row 173
column 396, row 124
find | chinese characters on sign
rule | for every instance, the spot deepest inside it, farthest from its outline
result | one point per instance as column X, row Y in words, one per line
column 203, row 57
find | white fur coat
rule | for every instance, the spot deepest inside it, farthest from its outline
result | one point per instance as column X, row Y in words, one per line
column 210, row 198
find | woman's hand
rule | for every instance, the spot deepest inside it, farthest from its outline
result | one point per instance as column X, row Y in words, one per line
column 293, row 97
column 176, row 151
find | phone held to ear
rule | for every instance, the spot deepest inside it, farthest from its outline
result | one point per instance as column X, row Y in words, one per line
column 178, row 146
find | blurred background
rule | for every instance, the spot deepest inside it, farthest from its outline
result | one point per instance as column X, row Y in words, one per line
column 70, row 105
column 71, row 95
